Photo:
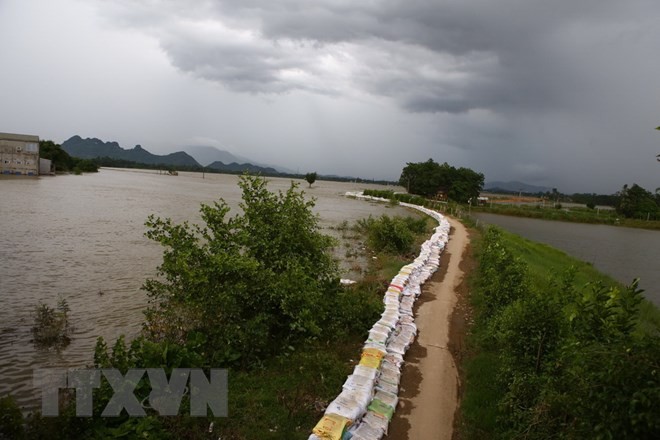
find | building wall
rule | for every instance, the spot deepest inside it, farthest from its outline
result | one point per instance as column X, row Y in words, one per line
column 45, row 166
column 19, row 154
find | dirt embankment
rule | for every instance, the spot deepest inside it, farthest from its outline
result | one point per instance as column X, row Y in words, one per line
column 430, row 385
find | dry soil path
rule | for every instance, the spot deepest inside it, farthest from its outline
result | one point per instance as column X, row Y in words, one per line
column 429, row 385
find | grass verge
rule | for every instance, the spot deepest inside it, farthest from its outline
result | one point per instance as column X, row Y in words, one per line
column 504, row 399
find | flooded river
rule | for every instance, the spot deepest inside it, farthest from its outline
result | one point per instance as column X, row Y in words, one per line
column 622, row 253
column 82, row 237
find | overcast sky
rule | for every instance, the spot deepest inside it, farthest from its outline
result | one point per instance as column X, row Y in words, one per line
column 561, row 93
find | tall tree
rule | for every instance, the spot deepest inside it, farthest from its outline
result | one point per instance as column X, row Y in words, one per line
column 636, row 202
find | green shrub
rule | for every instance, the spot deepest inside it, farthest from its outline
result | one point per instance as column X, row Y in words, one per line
column 571, row 361
column 502, row 276
column 11, row 419
column 390, row 234
column 385, row 194
column 416, row 225
column 51, row 325
column 412, row 199
column 254, row 283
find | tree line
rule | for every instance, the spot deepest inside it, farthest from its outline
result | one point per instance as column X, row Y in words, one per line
column 431, row 179
column 462, row 185
column 62, row 161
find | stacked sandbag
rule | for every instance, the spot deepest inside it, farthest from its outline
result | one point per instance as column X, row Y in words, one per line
column 364, row 408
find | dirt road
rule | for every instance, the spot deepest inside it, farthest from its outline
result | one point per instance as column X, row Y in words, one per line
column 429, row 385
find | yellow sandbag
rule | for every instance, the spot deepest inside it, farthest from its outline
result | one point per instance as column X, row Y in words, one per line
column 331, row 427
column 394, row 290
column 371, row 357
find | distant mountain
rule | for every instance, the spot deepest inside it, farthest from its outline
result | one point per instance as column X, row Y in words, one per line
column 207, row 155
column 239, row 168
column 515, row 187
column 91, row 148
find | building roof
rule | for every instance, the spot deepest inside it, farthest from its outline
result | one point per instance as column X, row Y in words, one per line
column 18, row 137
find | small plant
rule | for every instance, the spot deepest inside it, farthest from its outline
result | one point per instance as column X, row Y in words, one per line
column 51, row 325
column 343, row 226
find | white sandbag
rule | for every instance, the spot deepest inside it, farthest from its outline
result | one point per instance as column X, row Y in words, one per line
column 355, row 382
column 346, row 405
column 368, row 372
column 364, row 431
column 386, row 386
column 390, row 399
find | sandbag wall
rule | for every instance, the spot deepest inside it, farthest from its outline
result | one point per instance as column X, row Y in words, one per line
column 364, row 408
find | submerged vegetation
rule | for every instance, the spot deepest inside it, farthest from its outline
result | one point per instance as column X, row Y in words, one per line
column 557, row 350
column 51, row 325
column 257, row 293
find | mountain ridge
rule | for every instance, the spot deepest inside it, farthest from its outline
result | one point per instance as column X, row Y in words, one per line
column 91, row 148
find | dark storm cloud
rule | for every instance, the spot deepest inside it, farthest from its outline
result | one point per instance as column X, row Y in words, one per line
column 542, row 90
column 427, row 55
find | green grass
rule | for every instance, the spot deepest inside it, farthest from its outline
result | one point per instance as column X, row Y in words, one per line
column 479, row 409
column 545, row 262
column 285, row 399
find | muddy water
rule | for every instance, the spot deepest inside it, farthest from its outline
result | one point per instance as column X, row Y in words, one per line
column 82, row 237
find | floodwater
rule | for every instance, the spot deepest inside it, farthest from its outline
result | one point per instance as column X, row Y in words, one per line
column 82, row 238
column 622, row 253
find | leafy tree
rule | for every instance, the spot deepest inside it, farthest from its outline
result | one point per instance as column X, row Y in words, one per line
column 52, row 151
column 428, row 178
column 636, row 202
column 63, row 161
column 254, row 284
column 310, row 178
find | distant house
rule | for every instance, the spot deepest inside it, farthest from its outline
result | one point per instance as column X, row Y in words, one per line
column 19, row 154
column 442, row 195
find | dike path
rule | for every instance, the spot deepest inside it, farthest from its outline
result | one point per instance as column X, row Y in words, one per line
column 430, row 383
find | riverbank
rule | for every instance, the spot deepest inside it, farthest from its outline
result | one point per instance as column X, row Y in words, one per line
column 568, row 214
column 541, row 340
column 622, row 253
column 574, row 214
